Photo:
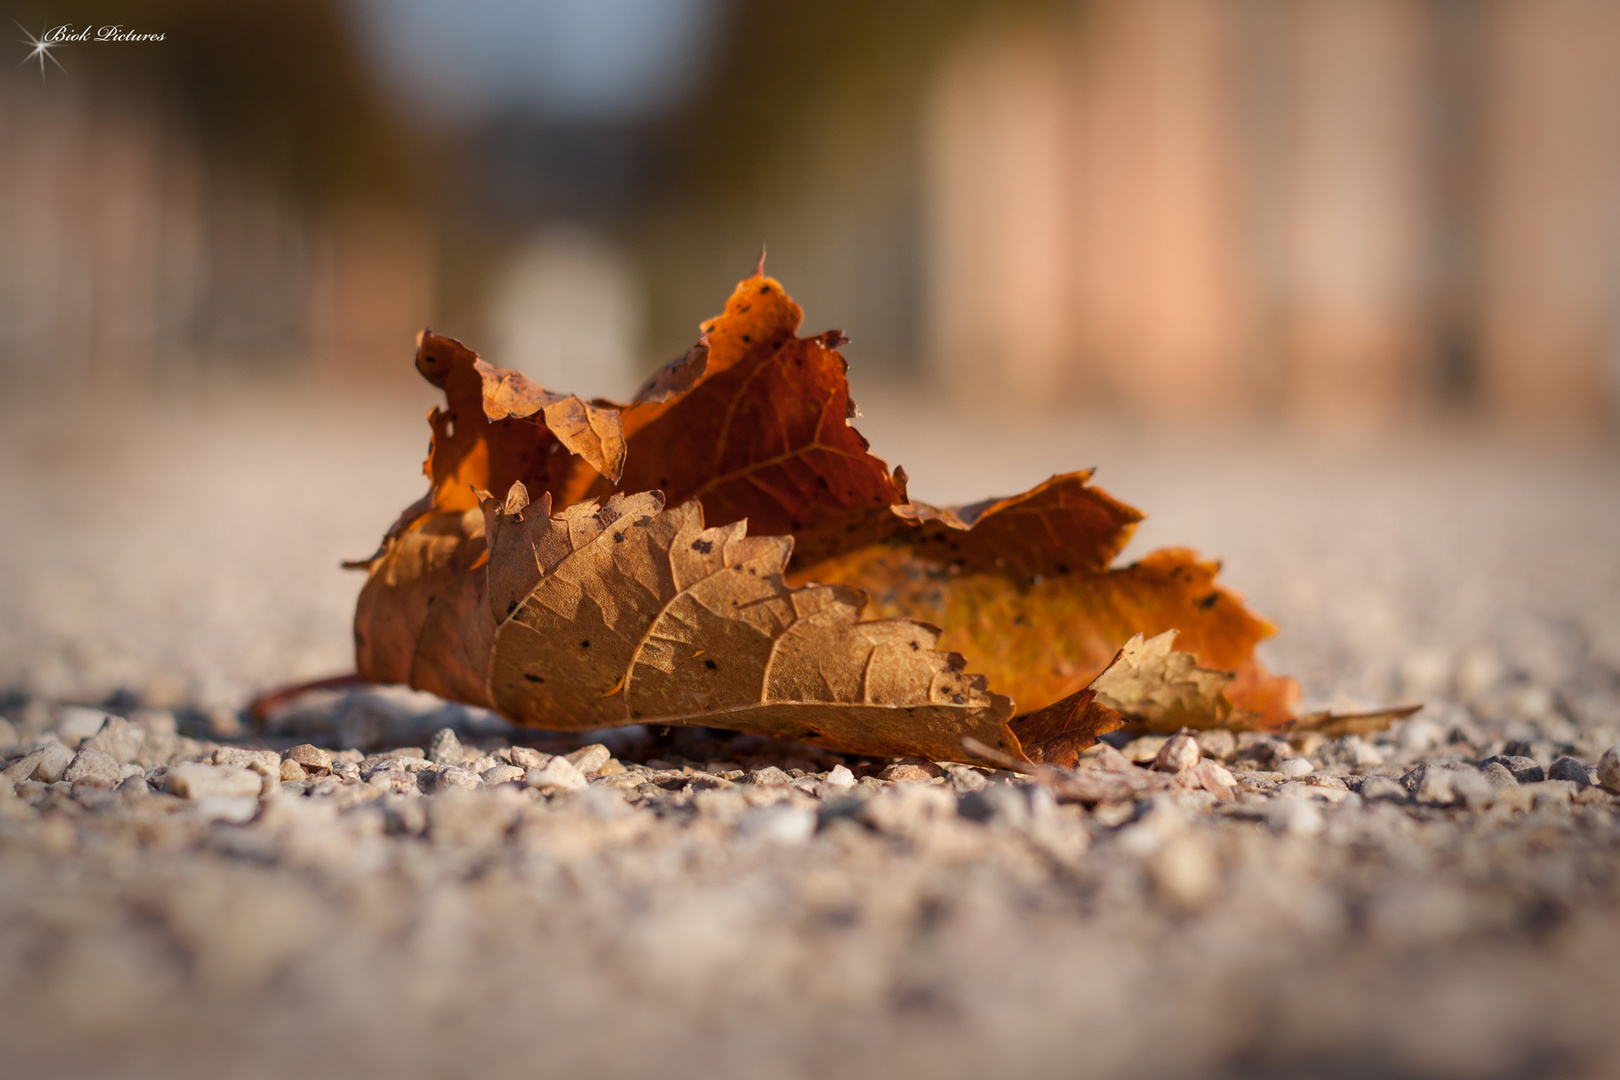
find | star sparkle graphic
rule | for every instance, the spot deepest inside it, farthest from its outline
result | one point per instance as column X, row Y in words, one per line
column 40, row 48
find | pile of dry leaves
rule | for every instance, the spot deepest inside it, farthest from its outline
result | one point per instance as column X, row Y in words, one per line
column 724, row 551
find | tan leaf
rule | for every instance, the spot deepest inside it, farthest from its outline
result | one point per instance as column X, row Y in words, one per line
column 640, row 614
column 1162, row 688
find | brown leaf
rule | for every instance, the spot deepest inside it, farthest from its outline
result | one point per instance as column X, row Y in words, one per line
column 492, row 603
column 654, row 618
column 1044, row 638
column 1149, row 681
column 1334, row 725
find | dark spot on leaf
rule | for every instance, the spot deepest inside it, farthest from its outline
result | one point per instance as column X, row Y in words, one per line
column 663, row 481
column 747, row 340
column 585, row 644
column 1018, row 620
column 822, row 480
column 1063, row 568
column 797, row 526
column 618, row 538
column 635, row 716
column 958, row 699
column 1207, row 602
column 763, row 289
column 532, row 678
column 710, row 664
column 703, row 546
column 915, row 646
column 511, row 606
column 737, row 567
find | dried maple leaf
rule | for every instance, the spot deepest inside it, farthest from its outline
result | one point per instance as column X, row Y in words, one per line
column 1164, row 689
column 557, row 613
column 640, row 614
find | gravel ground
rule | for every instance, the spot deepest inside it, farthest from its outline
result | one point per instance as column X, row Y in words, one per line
column 378, row 883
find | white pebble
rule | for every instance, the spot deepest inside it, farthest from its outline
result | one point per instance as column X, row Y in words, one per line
column 1296, row 766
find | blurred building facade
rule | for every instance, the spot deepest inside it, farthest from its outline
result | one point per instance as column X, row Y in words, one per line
column 227, row 199
column 1346, row 211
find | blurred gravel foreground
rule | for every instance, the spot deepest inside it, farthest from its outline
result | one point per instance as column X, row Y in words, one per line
column 377, row 883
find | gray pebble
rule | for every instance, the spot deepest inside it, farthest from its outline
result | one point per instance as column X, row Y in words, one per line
column 134, row 787
column 1567, row 768
column 1295, row 767
column 196, row 781
column 1434, row 787
column 1472, row 788
column 1497, row 775
column 527, row 758
column 76, row 723
column 1524, row 769
column 1179, row 753
column 590, row 759
column 453, row 777
column 52, row 764
column 119, row 739
column 445, row 749
column 770, row 774
column 1382, row 787
column 93, row 767
column 502, row 774
column 1217, row 743
column 1608, row 769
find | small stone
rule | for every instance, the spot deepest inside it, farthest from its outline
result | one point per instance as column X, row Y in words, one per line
column 962, row 778
column 905, row 774
column 1567, row 768
column 263, row 762
column 502, row 774
column 93, row 767
column 53, row 762
column 590, row 759
column 1473, row 788
column 75, row 723
column 312, row 759
column 194, row 780
column 1217, row 743
column 292, row 772
column 445, row 749
column 1266, row 750
column 1419, row 734
column 454, row 777
column 770, row 775
column 1144, row 749
column 134, row 787
column 1295, row 767
column 1351, row 751
column 23, row 768
column 1434, row 787
column 1497, row 775
column 118, row 738
column 1382, row 787
column 1178, row 754
column 1608, row 770
column 1554, row 794
column 559, row 774
column 840, row 779
column 1524, row 769
column 527, row 758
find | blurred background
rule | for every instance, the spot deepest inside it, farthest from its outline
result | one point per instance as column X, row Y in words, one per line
column 1357, row 213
